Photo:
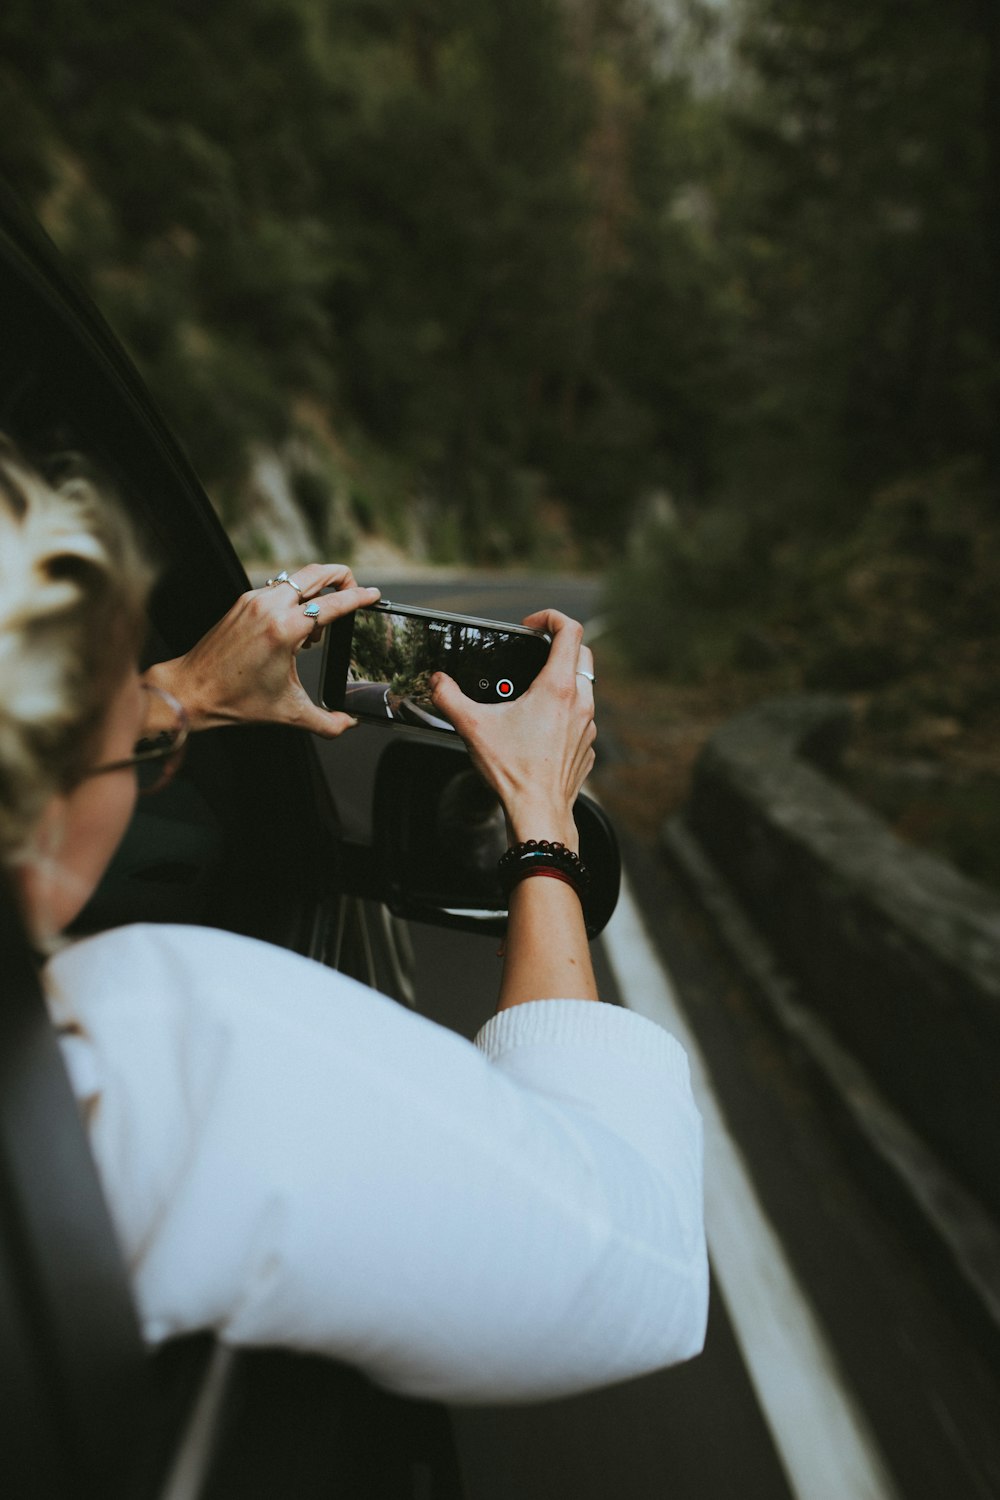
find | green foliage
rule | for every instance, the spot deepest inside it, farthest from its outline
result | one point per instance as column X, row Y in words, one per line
column 511, row 267
column 694, row 595
column 910, row 593
column 861, row 223
column 445, row 224
column 906, row 601
column 846, row 529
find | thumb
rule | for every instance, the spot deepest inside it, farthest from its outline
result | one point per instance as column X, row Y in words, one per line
column 322, row 722
column 448, row 697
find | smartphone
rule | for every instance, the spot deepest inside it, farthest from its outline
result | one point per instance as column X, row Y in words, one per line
column 378, row 662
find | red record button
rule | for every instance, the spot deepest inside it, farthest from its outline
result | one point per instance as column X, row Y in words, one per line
column 505, row 688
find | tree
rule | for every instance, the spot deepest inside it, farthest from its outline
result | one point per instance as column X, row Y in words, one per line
column 437, row 231
column 861, row 221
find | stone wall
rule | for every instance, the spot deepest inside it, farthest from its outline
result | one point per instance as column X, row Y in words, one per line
column 899, row 953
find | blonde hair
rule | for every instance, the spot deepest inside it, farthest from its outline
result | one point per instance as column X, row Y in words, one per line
column 73, row 587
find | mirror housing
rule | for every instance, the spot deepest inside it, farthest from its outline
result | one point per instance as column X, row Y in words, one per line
column 439, row 831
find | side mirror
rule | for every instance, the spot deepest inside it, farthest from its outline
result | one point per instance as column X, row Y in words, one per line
column 439, row 831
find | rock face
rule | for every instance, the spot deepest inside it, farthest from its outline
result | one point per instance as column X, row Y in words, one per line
column 271, row 524
column 295, row 506
column 899, row 951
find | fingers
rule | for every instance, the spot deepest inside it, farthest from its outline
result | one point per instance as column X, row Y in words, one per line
column 571, row 664
column 585, row 673
column 285, row 601
column 331, row 606
column 567, row 641
column 328, row 607
column 545, row 619
column 306, row 583
column 313, row 577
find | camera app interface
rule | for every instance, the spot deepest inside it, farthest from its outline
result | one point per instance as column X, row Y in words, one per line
column 394, row 656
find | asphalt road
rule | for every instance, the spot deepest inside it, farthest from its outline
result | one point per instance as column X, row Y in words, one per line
column 835, row 1367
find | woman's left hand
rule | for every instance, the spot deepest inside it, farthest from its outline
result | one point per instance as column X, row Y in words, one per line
column 244, row 670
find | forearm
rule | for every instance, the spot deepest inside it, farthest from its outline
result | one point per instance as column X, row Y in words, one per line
column 547, row 954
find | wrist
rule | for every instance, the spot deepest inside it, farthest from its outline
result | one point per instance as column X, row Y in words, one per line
column 523, row 862
column 542, row 823
column 170, row 677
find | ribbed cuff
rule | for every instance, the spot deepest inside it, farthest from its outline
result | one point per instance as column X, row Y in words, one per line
column 583, row 1023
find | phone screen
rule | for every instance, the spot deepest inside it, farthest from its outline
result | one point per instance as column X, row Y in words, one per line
column 381, row 668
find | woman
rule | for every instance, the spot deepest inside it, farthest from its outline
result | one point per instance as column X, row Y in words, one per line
column 289, row 1157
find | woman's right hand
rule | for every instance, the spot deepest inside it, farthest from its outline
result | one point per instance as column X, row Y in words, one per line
column 536, row 752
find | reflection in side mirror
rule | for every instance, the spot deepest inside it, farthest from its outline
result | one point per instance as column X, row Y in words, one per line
column 439, row 831
column 470, row 823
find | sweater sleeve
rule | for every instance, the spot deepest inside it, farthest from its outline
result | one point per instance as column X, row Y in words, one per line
column 293, row 1159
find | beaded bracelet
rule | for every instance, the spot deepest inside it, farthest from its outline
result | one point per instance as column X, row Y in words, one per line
column 543, row 857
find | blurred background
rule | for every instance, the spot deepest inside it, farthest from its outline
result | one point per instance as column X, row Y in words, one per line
column 696, row 296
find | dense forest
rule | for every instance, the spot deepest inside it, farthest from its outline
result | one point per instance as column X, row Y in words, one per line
column 426, row 242
column 708, row 290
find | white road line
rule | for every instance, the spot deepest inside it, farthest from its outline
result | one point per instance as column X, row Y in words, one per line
column 822, row 1438
column 193, row 1454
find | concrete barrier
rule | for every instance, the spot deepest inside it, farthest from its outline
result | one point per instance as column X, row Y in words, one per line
column 898, row 952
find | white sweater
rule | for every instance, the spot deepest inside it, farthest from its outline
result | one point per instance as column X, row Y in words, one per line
column 291, row 1158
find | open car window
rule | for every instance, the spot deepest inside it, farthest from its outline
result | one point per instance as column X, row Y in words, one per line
column 246, row 836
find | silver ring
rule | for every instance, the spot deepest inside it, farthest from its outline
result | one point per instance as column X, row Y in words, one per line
column 283, row 577
column 312, row 610
column 589, row 675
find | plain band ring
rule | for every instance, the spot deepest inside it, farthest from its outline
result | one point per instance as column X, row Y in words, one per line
column 589, row 675
column 312, row 610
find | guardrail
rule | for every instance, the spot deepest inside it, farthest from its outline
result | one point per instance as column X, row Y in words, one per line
column 896, row 951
